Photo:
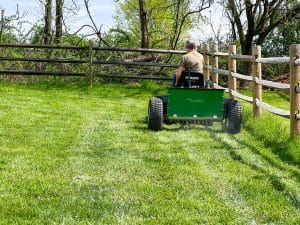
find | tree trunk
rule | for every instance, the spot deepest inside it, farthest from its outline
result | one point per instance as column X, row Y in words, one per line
column 58, row 21
column 144, row 25
column 2, row 24
column 48, row 22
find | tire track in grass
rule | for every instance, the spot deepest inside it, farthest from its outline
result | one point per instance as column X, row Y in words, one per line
column 78, row 205
column 244, row 188
column 179, row 177
column 222, row 187
column 40, row 134
column 98, row 164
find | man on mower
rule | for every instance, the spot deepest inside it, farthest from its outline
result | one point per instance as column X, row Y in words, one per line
column 191, row 62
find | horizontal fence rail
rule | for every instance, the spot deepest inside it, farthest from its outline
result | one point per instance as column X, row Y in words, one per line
column 272, row 109
column 241, row 57
column 216, row 86
column 149, row 50
column 43, row 60
column 272, row 84
column 102, row 62
column 28, row 72
column 274, row 60
column 217, row 53
column 216, row 70
column 139, row 77
column 243, row 77
column 241, row 96
column 43, row 46
column 93, row 47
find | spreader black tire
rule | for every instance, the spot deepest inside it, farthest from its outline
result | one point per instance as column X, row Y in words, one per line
column 155, row 114
column 233, row 120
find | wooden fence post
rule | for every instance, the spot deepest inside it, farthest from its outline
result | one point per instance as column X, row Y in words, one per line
column 256, row 74
column 232, row 69
column 294, row 91
column 206, row 63
column 90, row 70
column 215, row 78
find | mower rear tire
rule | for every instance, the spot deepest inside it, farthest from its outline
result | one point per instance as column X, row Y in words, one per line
column 155, row 114
column 233, row 120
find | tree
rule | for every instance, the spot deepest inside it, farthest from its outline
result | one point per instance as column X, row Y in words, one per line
column 144, row 24
column 58, row 21
column 279, row 40
column 182, row 16
column 48, row 22
column 261, row 17
column 277, row 44
column 165, row 20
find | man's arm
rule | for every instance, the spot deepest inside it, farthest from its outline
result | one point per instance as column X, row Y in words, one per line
column 179, row 72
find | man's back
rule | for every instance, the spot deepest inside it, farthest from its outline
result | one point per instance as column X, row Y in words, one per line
column 193, row 61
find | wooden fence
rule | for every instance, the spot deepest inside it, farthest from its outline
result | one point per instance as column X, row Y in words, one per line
column 211, row 69
column 256, row 78
column 90, row 61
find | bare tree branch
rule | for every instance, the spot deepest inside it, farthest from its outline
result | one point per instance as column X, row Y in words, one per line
column 96, row 30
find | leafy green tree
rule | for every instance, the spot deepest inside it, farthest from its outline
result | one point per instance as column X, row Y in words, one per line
column 278, row 41
column 252, row 21
column 277, row 44
column 119, row 37
column 167, row 20
column 8, row 37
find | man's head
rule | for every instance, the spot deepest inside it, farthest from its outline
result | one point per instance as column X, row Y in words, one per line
column 190, row 45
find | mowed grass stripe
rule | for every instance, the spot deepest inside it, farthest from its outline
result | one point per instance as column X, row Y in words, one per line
column 34, row 133
column 143, row 171
column 85, row 156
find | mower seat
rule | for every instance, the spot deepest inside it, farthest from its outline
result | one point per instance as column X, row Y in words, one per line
column 192, row 79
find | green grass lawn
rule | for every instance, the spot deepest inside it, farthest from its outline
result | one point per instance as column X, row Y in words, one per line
column 76, row 155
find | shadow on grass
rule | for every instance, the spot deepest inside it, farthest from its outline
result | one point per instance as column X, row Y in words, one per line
column 275, row 137
column 275, row 181
column 269, row 160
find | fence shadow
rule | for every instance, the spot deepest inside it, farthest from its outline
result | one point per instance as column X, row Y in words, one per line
column 276, row 181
